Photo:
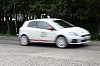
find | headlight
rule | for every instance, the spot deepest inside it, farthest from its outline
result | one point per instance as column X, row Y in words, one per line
column 72, row 33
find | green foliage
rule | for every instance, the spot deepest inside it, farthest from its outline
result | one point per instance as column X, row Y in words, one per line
column 75, row 11
column 95, row 37
column 79, row 9
column 91, row 27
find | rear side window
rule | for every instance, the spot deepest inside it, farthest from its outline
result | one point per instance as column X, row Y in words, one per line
column 32, row 24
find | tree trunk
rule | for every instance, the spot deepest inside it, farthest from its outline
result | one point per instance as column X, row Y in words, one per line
column 99, row 27
column 98, row 21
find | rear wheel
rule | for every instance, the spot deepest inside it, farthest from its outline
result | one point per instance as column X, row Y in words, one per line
column 24, row 40
column 61, row 42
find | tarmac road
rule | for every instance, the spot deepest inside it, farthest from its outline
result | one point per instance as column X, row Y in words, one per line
column 13, row 54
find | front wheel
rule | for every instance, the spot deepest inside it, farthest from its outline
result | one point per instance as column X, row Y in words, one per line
column 24, row 40
column 61, row 42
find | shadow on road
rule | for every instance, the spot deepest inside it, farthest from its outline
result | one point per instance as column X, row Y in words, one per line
column 54, row 46
column 77, row 46
column 42, row 45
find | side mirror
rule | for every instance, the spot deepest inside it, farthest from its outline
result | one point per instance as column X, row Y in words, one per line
column 49, row 28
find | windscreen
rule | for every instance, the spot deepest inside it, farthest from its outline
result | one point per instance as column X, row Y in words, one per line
column 62, row 24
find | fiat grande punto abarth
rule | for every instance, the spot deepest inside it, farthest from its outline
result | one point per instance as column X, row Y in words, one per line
column 52, row 30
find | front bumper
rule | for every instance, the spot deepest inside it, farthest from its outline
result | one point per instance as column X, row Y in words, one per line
column 80, row 39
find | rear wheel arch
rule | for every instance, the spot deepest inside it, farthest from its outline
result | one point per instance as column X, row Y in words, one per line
column 23, row 35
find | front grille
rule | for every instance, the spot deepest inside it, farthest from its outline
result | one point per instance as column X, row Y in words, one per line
column 86, row 35
column 85, row 40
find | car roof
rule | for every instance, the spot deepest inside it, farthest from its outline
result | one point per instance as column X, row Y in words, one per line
column 44, row 19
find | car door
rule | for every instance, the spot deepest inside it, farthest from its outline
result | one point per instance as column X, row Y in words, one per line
column 32, row 31
column 47, row 36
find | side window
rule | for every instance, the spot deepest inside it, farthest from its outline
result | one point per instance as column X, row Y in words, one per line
column 43, row 25
column 32, row 24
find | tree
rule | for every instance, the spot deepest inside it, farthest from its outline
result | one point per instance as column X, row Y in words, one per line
column 94, row 11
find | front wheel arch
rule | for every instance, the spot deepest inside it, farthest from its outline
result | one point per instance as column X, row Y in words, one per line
column 61, row 36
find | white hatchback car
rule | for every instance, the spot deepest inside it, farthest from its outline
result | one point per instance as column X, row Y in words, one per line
column 52, row 30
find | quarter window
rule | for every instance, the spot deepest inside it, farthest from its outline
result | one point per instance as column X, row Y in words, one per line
column 32, row 24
